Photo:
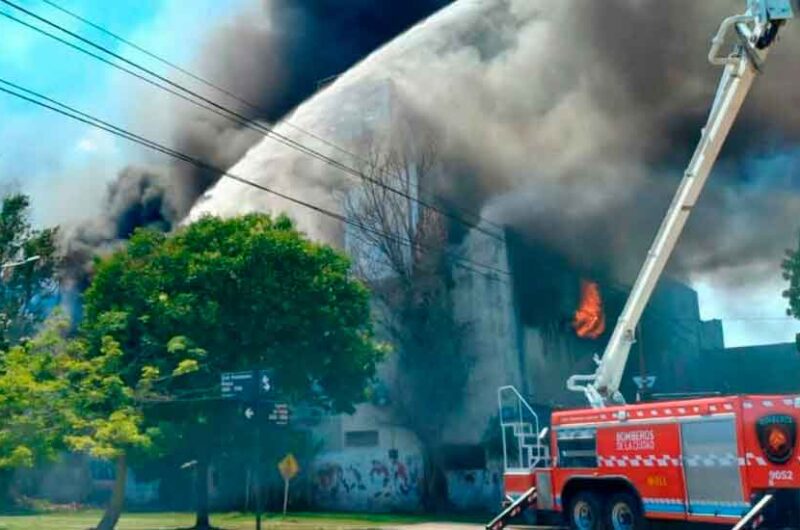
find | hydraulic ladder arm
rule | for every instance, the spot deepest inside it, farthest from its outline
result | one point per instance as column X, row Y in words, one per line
column 755, row 31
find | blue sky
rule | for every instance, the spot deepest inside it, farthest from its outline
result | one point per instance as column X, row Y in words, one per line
column 65, row 165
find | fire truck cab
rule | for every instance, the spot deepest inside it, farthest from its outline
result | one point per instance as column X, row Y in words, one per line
column 700, row 460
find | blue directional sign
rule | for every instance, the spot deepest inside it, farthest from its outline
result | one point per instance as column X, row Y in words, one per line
column 237, row 385
column 264, row 381
column 645, row 382
column 249, row 385
column 279, row 415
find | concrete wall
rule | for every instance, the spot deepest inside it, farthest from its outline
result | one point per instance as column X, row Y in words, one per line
column 767, row 369
column 378, row 482
column 78, row 479
column 483, row 302
column 549, row 359
column 476, row 490
column 373, row 480
column 367, row 462
column 333, row 431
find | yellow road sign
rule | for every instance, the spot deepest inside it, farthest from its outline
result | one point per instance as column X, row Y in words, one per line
column 288, row 467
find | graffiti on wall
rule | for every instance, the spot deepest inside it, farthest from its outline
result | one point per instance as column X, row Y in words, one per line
column 477, row 489
column 374, row 482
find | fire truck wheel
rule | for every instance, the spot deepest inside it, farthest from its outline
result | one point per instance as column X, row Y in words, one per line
column 624, row 513
column 586, row 511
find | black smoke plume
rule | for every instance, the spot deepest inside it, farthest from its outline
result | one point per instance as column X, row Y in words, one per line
column 272, row 56
column 572, row 122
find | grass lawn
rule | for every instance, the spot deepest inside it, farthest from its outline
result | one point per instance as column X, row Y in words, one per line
column 171, row 521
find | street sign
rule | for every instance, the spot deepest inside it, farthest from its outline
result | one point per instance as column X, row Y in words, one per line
column 237, row 385
column 288, row 467
column 644, row 382
column 279, row 415
column 251, row 388
column 246, row 385
column 265, row 382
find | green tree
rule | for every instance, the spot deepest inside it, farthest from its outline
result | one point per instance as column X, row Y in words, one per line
column 104, row 415
column 30, row 430
column 54, row 396
column 28, row 289
column 219, row 295
column 791, row 273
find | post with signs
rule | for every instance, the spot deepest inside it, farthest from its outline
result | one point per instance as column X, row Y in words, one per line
column 644, row 385
column 257, row 449
column 250, row 388
column 288, row 468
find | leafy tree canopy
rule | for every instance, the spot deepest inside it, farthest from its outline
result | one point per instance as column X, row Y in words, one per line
column 28, row 289
column 243, row 293
column 54, row 396
column 791, row 273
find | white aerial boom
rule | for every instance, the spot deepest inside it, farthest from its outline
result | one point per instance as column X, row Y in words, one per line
column 755, row 32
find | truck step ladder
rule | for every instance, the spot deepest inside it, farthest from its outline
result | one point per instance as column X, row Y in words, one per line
column 754, row 512
column 522, row 503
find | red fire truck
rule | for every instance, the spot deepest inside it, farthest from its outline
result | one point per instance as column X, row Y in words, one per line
column 715, row 460
column 615, row 466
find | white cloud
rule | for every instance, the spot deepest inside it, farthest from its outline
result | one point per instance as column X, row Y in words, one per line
column 752, row 311
column 86, row 145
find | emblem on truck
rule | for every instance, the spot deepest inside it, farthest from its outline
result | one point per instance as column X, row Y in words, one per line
column 777, row 435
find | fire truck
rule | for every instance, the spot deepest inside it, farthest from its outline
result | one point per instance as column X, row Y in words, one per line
column 718, row 459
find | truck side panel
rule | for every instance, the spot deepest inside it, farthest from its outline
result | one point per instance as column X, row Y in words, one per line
column 712, row 466
column 760, row 415
column 684, row 459
column 648, row 454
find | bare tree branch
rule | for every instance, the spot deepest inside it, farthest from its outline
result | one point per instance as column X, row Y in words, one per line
column 402, row 255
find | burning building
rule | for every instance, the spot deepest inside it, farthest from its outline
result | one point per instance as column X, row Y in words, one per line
column 571, row 145
column 532, row 329
column 577, row 161
column 547, row 320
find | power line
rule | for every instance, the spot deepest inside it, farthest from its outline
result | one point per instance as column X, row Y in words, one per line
column 93, row 121
column 54, row 105
column 110, row 63
column 185, row 71
column 225, row 112
column 229, row 93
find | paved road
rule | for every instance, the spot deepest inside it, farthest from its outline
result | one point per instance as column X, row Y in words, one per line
column 460, row 526
column 443, row 526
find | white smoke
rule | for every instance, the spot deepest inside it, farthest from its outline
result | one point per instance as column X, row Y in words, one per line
column 569, row 120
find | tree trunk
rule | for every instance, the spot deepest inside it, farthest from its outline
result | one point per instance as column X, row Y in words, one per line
column 434, row 489
column 117, row 502
column 203, row 521
column 6, row 497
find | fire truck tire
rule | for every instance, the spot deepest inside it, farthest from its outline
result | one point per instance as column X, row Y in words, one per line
column 624, row 512
column 586, row 511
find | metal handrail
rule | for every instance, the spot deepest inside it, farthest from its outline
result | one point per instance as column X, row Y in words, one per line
column 522, row 407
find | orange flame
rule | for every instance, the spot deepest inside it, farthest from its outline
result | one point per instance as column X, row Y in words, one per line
column 589, row 321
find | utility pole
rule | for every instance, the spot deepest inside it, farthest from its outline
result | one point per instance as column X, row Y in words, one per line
column 257, row 461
